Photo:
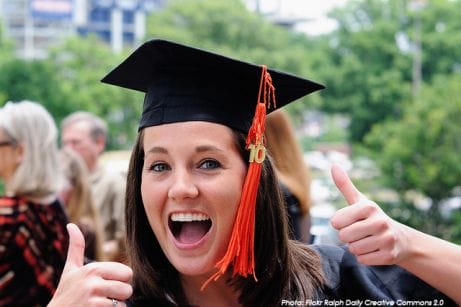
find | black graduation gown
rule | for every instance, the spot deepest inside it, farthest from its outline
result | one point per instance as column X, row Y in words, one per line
column 349, row 281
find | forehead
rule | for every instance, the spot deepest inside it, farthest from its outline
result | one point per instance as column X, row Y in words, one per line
column 189, row 132
column 77, row 127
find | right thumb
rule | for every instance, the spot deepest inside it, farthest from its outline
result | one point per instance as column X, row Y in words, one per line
column 76, row 251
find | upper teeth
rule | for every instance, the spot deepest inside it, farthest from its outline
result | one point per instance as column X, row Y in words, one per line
column 188, row 217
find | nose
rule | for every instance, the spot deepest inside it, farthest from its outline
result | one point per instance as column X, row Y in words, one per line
column 183, row 186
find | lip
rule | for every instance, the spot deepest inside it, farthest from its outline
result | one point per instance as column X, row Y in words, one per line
column 188, row 246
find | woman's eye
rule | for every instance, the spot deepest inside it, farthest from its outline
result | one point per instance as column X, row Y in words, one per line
column 209, row 164
column 159, row 167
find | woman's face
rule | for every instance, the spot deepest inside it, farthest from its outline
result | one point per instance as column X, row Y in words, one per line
column 10, row 156
column 192, row 180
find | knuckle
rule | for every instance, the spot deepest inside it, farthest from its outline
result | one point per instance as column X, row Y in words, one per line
column 369, row 208
column 91, row 269
column 128, row 291
column 388, row 258
column 353, row 249
column 382, row 224
column 390, row 239
column 343, row 236
column 94, row 287
column 362, row 260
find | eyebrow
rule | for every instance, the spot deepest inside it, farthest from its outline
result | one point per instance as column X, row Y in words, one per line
column 205, row 148
column 157, row 150
column 199, row 149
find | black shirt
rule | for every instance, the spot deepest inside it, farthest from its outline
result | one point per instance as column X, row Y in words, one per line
column 387, row 285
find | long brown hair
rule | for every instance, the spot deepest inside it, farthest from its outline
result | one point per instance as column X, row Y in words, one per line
column 288, row 159
column 79, row 204
column 285, row 269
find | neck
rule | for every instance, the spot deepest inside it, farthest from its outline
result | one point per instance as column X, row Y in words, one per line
column 217, row 293
column 92, row 166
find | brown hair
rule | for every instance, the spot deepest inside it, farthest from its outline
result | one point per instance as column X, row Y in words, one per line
column 288, row 158
column 285, row 269
column 79, row 204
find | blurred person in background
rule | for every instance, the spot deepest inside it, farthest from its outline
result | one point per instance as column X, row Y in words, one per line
column 79, row 205
column 33, row 238
column 292, row 172
column 86, row 134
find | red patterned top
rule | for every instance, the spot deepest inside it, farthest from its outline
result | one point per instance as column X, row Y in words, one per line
column 33, row 247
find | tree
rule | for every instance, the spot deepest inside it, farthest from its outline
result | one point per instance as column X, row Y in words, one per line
column 366, row 70
column 6, row 53
column 421, row 152
column 441, row 38
column 32, row 80
column 80, row 63
column 69, row 80
column 6, row 46
column 369, row 65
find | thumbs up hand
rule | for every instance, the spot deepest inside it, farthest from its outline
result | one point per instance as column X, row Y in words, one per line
column 94, row 284
column 372, row 236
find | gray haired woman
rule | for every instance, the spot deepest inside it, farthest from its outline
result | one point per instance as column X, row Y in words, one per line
column 33, row 239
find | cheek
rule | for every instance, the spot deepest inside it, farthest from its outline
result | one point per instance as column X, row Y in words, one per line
column 152, row 200
column 230, row 194
column 146, row 193
column 80, row 150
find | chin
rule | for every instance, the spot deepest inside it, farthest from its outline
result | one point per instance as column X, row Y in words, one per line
column 196, row 270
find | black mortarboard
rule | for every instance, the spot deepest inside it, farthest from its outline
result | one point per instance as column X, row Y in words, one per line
column 183, row 83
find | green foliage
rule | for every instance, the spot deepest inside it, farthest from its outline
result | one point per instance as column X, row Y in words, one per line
column 34, row 80
column 456, row 221
column 6, row 46
column 69, row 80
column 421, row 152
column 370, row 57
column 441, row 38
column 366, row 74
column 80, row 64
column 6, row 54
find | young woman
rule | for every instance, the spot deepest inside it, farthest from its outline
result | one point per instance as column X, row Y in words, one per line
column 206, row 223
column 80, row 208
column 33, row 239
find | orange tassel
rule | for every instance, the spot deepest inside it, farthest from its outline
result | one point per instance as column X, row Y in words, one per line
column 240, row 251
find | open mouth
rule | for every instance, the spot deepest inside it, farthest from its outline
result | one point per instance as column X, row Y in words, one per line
column 189, row 228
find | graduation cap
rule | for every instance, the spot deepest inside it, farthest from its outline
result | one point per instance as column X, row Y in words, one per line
column 183, row 83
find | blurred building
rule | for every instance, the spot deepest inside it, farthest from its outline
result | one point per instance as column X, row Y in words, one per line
column 278, row 12
column 35, row 25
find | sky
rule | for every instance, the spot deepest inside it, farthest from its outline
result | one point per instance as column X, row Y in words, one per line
column 313, row 11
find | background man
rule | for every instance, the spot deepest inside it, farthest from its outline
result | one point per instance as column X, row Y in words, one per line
column 86, row 133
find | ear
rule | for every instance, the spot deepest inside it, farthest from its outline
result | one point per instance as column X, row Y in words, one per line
column 101, row 144
column 19, row 153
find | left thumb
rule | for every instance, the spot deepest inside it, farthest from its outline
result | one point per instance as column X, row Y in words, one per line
column 345, row 185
